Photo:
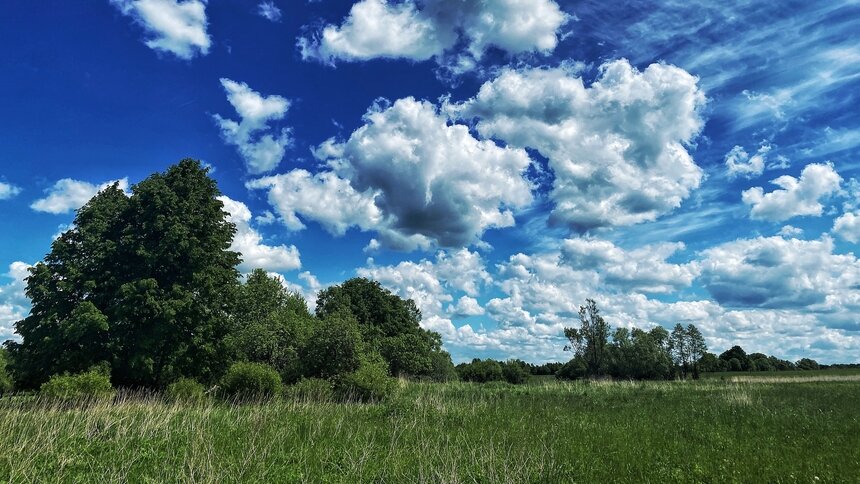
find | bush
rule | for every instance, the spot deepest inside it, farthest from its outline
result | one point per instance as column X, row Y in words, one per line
column 572, row 370
column 251, row 381
column 334, row 348
column 90, row 385
column 514, row 372
column 185, row 390
column 369, row 383
column 5, row 379
column 312, row 390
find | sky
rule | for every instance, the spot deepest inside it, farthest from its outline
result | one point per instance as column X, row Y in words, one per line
column 497, row 161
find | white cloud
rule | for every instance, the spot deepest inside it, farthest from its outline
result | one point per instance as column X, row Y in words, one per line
column 617, row 148
column 269, row 11
column 67, row 195
column 14, row 304
column 790, row 231
column 847, row 226
column 408, row 174
column 8, row 191
column 261, row 146
column 466, row 306
column 438, row 28
column 781, row 273
column 249, row 243
column 740, row 163
column 642, row 269
column 796, row 197
column 174, row 26
column 323, row 197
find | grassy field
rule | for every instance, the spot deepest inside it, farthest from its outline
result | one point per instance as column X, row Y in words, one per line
column 706, row 431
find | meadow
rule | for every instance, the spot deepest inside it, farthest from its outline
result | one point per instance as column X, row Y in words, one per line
column 711, row 430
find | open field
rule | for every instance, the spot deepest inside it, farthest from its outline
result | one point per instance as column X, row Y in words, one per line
column 833, row 374
column 706, row 431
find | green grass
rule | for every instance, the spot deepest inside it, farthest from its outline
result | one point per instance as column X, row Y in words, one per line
column 706, row 431
column 783, row 374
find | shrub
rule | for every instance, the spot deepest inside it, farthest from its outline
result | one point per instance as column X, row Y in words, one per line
column 514, row 372
column 312, row 390
column 185, row 390
column 251, row 381
column 5, row 379
column 90, row 385
column 334, row 348
column 572, row 370
column 369, row 383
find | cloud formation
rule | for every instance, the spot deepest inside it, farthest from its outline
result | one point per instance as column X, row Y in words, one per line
column 249, row 243
column 269, row 11
column 454, row 32
column 7, row 191
column 617, row 148
column 261, row 146
column 409, row 175
column 740, row 163
column 14, row 304
column 67, row 195
column 796, row 197
column 174, row 26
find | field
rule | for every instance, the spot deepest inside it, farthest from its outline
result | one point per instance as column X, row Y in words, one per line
column 707, row 431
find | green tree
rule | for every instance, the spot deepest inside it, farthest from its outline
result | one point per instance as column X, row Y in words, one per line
column 679, row 348
column 335, row 347
column 5, row 379
column 696, row 347
column 271, row 325
column 389, row 324
column 591, row 339
column 738, row 353
column 145, row 282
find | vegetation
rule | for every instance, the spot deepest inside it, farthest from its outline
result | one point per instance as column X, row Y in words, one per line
column 250, row 381
column 185, row 390
column 87, row 386
column 688, row 431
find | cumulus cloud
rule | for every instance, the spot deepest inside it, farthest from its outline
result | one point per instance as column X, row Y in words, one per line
column 796, row 197
column 454, row 32
column 415, row 179
column 174, row 26
column 269, row 11
column 790, row 231
column 642, row 269
column 261, row 146
column 14, row 304
column 466, row 306
column 740, row 163
column 847, row 226
column 616, row 148
column 325, row 198
column 67, row 195
column 8, row 191
column 782, row 273
column 249, row 243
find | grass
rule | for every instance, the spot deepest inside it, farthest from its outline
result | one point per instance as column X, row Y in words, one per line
column 706, row 431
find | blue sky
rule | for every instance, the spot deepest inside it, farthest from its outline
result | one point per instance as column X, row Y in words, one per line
column 498, row 162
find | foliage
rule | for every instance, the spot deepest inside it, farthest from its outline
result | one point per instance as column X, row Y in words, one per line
column 250, row 381
column 271, row 325
column 185, row 390
column 335, row 347
column 90, row 385
column 741, row 360
column 369, row 383
column 388, row 324
column 807, row 364
column 574, row 369
column 639, row 355
column 480, row 371
column 5, row 380
column 441, row 367
column 144, row 282
column 515, row 372
column 590, row 340
column 312, row 390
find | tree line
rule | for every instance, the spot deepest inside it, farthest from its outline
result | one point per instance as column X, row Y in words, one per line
column 144, row 292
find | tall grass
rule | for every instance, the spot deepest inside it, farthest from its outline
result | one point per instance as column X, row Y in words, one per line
column 708, row 431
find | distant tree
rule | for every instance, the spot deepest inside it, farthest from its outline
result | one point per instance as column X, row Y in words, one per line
column 389, row 325
column 680, row 348
column 515, row 371
column 709, row 362
column 335, row 347
column 739, row 354
column 807, row 364
column 574, row 369
column 480, row 371
column 696, row 347
column 271, row 325
column 591, row 339
column 143, row 282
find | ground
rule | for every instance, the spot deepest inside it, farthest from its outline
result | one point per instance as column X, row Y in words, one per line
column 713, row 430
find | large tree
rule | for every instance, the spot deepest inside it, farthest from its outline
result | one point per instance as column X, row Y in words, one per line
column 144, row 283
column 589, row 342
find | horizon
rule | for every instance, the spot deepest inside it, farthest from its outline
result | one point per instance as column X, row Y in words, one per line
column 677, row 163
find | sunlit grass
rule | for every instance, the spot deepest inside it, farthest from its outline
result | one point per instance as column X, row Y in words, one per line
column 707, row 431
